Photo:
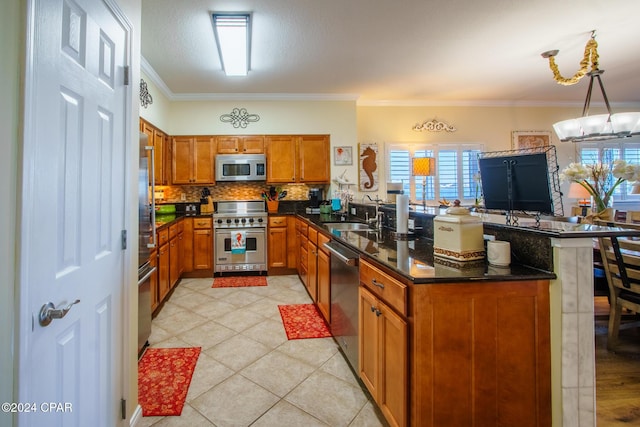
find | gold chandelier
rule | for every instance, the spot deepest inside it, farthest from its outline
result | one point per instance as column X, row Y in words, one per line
column 597, row 127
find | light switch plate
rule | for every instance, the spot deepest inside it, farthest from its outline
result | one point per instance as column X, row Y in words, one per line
column 353, row 211
column 412, row 224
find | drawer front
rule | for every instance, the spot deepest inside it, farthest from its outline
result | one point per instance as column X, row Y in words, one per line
column 180, row 225
column 304, row 229
column 384, row 286
column 277, row 221
column 313, row 235
column 173, row 231
column 163, row 236
column 202, row 222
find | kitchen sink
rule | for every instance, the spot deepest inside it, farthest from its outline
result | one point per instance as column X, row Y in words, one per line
column 347, row 226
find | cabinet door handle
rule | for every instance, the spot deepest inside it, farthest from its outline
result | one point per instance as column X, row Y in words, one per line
column 378, row 313
column 373, row 309
column 376, row 283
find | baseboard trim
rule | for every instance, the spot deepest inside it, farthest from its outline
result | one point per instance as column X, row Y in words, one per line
column 137, row 414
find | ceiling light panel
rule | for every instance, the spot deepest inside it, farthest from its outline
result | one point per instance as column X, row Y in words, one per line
column 233, row 38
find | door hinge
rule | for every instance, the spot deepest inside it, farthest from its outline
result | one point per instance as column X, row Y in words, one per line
column 126, row 75
column 123, row 408
column 123, row 236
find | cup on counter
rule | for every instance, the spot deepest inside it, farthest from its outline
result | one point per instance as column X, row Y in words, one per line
column 499, row 253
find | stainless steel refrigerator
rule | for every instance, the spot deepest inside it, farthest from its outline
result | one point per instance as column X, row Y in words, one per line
column 146, row 240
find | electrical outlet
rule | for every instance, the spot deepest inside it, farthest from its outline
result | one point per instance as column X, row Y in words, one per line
column 353, row 211
column 183, row 197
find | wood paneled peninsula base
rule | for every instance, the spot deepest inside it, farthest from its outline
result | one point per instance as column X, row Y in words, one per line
column 476, row 353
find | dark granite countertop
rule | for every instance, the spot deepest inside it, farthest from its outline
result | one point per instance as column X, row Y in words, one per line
column 166, row 219
column 413, row 258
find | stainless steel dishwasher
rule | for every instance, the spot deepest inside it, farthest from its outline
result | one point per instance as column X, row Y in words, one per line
column 344, row 299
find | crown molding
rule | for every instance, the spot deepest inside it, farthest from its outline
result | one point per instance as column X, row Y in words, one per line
column 350, row 97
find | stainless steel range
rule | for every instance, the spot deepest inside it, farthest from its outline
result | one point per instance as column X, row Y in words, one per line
column 240, row 236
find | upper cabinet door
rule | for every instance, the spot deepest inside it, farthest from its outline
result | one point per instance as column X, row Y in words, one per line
column 181, row 160
column 203, row 169
column 243, row 144
column 314, row 158
column 281, row 159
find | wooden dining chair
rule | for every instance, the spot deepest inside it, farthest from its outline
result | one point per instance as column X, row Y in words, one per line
column 621, row 261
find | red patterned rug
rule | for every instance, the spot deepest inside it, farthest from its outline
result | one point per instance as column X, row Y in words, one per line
column 303, row 321
column 164, row 375
column 239, row 281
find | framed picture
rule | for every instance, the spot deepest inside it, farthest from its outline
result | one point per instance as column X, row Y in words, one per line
column 342, row 156
column 368, row 167
column 521, row 140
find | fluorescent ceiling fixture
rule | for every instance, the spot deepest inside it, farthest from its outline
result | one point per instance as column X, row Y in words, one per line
column 232, row 31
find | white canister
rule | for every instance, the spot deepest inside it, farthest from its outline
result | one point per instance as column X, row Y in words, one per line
column 499, row 253
column 458, row 235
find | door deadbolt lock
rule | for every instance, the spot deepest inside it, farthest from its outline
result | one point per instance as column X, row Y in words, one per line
column 48, row 312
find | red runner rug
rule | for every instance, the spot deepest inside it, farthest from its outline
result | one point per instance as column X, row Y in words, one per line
column 239, row 281
column 303, row 321
column 164, row 375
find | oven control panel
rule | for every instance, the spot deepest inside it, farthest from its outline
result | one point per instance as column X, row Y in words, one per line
column 240, row 222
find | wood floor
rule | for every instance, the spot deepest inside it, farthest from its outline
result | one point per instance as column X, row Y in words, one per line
column 617, row 373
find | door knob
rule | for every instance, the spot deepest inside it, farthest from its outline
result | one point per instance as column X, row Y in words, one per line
column 48, row 312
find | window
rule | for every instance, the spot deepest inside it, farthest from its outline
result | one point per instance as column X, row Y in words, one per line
column 456, row 164
column 607, row 152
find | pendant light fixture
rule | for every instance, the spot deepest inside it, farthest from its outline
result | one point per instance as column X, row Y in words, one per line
column 596, row 127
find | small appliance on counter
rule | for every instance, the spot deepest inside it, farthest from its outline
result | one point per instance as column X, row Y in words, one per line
column 315, row 200
column 458, row 235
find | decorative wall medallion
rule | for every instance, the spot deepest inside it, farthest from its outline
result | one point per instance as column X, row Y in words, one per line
column 434, row 126
column 145, row 96
column 368, row 167
column 239, row 118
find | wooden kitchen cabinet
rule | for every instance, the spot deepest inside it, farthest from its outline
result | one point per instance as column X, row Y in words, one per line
column 277, row 242
column 303, row 258
column 163, row 264
column 240, row 144
column 312, row 264
column 313, row 159
column 324, row 278
column 193, row 160
column 187, row 245
column 202, row 244
column 281, row 158
column 174, row 255
column 298, row 158
column 383, row 346
column 155, row 298
column 159, row 141
column 480, row 354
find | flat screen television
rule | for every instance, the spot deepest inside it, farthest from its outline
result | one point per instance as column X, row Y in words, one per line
column 529, row 176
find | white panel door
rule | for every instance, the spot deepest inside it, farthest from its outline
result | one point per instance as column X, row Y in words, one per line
column 73, row 213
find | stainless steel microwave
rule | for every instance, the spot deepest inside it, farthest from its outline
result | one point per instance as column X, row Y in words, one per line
column 241, row 167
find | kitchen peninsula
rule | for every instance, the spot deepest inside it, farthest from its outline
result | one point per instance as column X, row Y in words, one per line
column 518, row 341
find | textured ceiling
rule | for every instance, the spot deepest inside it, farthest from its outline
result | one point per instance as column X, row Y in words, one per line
column 445, row 52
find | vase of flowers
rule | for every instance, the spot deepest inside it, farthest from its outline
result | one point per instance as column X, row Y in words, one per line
column 601, row 180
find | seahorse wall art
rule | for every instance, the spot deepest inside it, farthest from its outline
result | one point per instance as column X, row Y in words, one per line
column 368, row 167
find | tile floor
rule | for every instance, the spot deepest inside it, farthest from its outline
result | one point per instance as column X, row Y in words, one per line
column 248, row 373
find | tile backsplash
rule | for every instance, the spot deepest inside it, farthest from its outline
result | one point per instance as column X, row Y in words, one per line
column 228, row 191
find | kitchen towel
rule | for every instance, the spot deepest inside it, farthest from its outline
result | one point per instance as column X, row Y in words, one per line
column 402, row 213
column 238, row 242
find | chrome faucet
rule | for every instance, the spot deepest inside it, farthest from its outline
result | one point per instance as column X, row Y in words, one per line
column 377, row 221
